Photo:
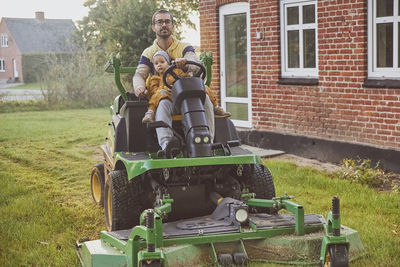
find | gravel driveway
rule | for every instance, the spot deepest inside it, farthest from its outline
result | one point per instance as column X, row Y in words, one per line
column 20, row 94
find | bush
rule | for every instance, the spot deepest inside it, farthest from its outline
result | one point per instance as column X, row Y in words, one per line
column 77, row 82
column 34, row 65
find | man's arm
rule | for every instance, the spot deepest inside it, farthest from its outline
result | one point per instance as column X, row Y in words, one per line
column 139, row 79
column 189, row 56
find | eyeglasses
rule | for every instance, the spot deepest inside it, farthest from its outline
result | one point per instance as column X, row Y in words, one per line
column 160, row 22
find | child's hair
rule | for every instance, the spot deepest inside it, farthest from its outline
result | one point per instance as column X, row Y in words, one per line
column 164, row 54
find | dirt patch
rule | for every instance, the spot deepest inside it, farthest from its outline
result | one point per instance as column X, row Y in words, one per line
column 299, row 161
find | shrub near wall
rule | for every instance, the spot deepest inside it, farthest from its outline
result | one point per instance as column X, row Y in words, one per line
column 34, row 65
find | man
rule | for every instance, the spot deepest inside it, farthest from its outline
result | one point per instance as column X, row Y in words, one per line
column 180, row 52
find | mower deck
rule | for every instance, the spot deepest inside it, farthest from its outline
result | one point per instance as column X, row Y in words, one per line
column 206, row 226
column 198, row 241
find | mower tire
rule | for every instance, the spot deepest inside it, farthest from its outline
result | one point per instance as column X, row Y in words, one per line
column 97, row 184
column 259, row 181
column 122, row 205
column 338, row 256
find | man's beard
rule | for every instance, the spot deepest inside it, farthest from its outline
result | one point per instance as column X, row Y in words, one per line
column 164, row 33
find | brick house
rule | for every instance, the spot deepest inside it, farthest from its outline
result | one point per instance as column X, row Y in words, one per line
column 320, row 79
column 23, row 39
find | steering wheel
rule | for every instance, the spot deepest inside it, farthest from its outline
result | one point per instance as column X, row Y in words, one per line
column 201, row 73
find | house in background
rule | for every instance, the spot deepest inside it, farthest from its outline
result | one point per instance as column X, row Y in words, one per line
column 319, row 79
column 24, row 42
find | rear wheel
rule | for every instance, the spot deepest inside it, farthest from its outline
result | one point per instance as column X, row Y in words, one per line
column 97, row 184
column 122, row 206
column 259, row 181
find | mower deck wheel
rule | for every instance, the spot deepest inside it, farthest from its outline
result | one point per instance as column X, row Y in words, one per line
column 225, row 259
column 240, row 259
column 153, row 263
column 337, row 256
column 97, row 184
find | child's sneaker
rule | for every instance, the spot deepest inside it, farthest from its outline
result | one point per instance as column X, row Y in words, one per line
column 148, row 117
column 221, row 113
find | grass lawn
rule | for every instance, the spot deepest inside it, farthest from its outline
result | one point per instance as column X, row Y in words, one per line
column 35, row 86
column 45, row 201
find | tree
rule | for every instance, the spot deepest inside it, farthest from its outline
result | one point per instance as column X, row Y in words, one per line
column 124, row 26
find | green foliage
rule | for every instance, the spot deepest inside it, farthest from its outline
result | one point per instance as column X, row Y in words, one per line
column 124, row 27
column 76, row 81
column 34, row 65
column 361, row 171
column 118, row 26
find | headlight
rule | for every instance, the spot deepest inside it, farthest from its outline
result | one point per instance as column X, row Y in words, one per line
column 206, row 139
column 197, row 140
column 241, row 215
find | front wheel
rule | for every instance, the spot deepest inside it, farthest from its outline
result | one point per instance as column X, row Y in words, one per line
column 97, row 184
column 122, row 205
column 259, row 180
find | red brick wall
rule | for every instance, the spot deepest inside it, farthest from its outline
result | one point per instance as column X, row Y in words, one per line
column 9, row 53
column 339, row 107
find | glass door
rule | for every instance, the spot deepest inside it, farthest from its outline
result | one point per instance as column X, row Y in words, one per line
column 235, row 62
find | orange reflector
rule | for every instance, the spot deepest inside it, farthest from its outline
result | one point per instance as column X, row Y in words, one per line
column 177, row 117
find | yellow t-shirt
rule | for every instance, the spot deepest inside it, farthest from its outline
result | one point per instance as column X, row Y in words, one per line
column 177, row 49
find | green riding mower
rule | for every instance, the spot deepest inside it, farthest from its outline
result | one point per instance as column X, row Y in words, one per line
column 198, row 202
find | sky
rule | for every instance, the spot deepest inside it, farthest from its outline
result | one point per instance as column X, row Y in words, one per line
column 64, row 9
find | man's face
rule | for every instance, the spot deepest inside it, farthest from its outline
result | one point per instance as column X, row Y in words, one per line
column 160, row 64
column 163, row 26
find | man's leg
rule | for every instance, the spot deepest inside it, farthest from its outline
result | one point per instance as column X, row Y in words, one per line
column 164, row 113
column 209, row 109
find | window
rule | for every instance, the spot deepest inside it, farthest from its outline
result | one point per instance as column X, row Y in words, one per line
column 234, row 21
column 4, row 40
column 2, row 66
column 384, row 38
column 299, row 39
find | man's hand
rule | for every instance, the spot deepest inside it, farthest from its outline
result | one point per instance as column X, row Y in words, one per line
column 140, row 91
column 180, row 63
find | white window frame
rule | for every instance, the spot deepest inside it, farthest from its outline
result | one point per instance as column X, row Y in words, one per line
column 300, row 72
column 4, row 40
column 229, row 9
column 2, row 65
column 374, row 71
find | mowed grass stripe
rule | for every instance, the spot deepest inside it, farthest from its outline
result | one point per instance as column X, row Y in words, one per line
column 34, row 227
column 375, row 215
column 46, row 158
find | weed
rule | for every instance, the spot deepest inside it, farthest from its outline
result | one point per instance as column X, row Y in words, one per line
column 361, row 171
column 2, row 96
